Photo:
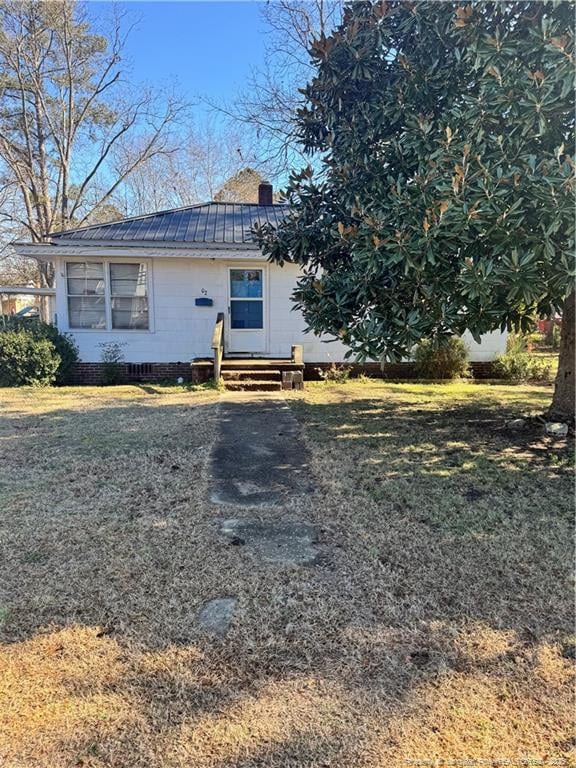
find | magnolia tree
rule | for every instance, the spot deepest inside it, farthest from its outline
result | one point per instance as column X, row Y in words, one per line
column 445, row 200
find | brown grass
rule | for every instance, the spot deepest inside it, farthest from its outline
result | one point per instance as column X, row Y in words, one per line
column 437, row 625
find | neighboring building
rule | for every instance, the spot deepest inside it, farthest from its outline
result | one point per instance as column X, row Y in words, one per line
column 26, row 301
column 156, row 283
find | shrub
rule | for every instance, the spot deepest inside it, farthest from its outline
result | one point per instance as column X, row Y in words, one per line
column 26, row 360
column 534, row 340
column 63, row 343
column 442, row 360
column 521, row 366
column 337, row 374
column 112, row 358
column 515, row 342
column 525, row 342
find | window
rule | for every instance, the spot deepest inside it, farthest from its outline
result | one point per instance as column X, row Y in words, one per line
column 246, row 283
column 246, row 304
column 86, row 297
column 128, row 293
column 107, row 296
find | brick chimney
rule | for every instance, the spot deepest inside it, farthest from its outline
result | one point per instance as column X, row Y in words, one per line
column 265, row 193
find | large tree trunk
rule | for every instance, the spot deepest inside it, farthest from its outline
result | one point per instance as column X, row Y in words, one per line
column 562, row 407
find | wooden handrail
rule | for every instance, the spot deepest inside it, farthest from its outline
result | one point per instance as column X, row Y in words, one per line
column 218, row 345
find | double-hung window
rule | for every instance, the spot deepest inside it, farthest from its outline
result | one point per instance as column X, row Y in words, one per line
column 86, row 294
column 129, row 296
column 107, row 295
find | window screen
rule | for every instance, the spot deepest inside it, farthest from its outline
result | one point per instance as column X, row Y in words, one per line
column 129, row 296
column 86, row 297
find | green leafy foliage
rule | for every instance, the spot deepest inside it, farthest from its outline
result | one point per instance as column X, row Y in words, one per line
column 112, row 358
column 524, row 342
column 445, row 360
column 26, row 359
column 63, row 343
column 444, row 197
column 522, row 366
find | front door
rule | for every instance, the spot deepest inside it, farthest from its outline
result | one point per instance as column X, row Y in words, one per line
column 246, row 310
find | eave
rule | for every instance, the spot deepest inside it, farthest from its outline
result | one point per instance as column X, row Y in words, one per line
column 135, row 249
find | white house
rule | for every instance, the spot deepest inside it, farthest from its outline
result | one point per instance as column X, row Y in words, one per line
column 156, row 284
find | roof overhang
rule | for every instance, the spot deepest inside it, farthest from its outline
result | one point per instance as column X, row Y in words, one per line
column 135, row 249
column 23, row 290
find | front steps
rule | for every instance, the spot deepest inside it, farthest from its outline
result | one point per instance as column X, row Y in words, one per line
column 249, row 380
column 255, row 374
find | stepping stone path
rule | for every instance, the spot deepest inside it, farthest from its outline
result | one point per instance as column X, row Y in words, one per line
column 279, row 542
column 216, row 615
column 259, row 458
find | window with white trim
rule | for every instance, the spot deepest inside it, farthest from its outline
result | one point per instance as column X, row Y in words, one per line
column 107, row 295
column 129, row 296
column 86, row 294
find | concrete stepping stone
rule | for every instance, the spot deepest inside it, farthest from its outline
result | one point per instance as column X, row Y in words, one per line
column 259, row 458
column 281, row 542
column 216, row 615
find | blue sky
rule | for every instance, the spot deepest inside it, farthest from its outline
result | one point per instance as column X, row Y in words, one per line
column 207, row 47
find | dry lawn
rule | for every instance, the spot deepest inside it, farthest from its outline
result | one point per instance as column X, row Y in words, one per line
column 437, row 625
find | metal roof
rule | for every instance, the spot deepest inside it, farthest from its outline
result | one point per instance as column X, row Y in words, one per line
column 220, row 223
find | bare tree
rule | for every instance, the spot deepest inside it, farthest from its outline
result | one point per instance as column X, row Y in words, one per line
column 206, row 160
column 64, row 109
column 14, row 270
column 269, row 102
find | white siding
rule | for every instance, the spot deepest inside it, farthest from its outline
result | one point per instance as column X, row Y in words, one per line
column 180, row 331
column 287, row 325
column 492, row 345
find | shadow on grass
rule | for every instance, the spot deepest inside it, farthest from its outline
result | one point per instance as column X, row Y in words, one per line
column 443, row 587
column 465, row 453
